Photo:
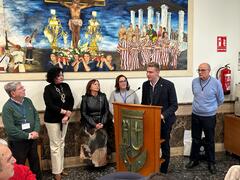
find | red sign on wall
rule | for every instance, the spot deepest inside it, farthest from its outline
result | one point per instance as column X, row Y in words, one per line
column 221, row 43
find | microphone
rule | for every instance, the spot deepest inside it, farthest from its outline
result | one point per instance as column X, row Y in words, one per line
column 132, row 93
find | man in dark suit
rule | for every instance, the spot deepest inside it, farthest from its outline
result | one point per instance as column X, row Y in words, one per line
column 161, row 92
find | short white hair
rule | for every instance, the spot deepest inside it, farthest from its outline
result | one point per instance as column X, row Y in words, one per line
column 11, row 86
column 3, row 142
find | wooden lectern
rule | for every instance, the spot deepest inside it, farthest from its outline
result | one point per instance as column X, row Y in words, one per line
column 231, row 134
column 137, row 137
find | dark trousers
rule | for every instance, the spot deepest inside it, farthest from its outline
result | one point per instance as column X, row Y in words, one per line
column 165, row 146
column 27, row 149
column 29, row 54
column 111, row 138
column 207, row 125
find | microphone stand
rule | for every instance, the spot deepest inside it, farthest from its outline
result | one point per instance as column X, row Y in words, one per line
column 132, row 93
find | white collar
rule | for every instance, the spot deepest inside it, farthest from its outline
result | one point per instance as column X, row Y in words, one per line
column 17, row 101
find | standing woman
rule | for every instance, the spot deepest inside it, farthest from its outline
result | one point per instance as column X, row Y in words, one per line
column 59, row 103
column 95, row 121
column 122, row 93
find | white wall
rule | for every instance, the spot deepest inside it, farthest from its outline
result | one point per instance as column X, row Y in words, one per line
column 211, row 19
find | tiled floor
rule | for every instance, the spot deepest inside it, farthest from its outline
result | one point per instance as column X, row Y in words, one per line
column 223, row 163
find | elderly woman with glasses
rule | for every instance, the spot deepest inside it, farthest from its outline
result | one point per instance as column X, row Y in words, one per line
column 122, row 93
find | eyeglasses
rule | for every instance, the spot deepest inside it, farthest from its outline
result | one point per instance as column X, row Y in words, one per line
column 202, row 70
column 122, row 81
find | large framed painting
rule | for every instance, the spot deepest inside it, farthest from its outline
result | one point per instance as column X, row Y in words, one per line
column 89, row 38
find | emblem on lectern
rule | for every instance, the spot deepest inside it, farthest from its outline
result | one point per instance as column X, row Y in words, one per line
column 131, row 149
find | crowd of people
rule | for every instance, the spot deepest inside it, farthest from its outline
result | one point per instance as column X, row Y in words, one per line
column 74, row 61
column 70, row 60
column 138, row 47
column 21, row 120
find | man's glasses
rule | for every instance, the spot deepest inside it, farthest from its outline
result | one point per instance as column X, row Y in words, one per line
column 201, row 70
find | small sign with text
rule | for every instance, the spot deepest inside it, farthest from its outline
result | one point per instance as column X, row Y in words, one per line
column 222, row 44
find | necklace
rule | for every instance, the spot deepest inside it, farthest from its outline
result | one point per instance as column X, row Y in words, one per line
column 61, row 93
column 205, row 84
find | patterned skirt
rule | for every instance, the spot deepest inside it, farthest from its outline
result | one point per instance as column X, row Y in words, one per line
column 93, row 150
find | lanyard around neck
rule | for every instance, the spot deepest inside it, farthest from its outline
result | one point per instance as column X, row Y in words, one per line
column 203, row 86
column 124, row 96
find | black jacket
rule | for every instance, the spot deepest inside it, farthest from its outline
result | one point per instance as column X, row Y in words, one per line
column 164, row 95
column 54, row 104
column 94, row 110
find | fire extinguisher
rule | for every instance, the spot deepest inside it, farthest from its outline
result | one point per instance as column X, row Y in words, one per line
column 224, row 74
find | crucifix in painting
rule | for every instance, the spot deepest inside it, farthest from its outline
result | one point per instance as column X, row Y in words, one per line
column 127, row 34
column 75, row 8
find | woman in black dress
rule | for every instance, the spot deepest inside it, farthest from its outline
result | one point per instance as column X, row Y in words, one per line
column 59, row 103
column 96, row 122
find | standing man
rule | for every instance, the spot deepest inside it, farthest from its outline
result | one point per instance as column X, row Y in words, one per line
column 76, row 22
column 208, row 95
column 161, row 92
column 21, row 122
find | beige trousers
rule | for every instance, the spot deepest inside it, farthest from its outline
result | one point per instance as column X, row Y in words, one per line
column 57, row 143
column 233, row 173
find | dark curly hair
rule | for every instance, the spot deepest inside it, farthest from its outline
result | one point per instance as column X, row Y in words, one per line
column 53, row 73
column 88, row 91
column 117, row 83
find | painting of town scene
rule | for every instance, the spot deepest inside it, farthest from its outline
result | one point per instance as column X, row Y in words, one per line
column 92, row 35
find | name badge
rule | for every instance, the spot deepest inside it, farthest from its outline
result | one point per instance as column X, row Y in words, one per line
column 25, row 126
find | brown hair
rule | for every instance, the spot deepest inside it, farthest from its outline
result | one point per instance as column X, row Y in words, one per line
column 117, row 83
column 154, row 64
column 88, row 87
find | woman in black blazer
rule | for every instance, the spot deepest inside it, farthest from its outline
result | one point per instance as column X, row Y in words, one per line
column 59, row 103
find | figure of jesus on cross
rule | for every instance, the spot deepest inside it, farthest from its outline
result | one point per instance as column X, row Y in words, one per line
column 75, row 22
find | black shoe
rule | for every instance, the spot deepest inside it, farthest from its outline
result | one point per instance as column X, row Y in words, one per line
column 212, row 168
column 191, row 164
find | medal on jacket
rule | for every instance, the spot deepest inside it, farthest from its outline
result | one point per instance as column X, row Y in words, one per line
column 61, row 93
